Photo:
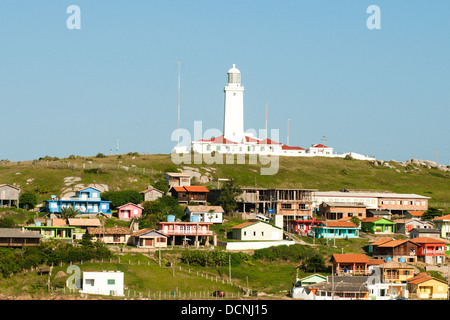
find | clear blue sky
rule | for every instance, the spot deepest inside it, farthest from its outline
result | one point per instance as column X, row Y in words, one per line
column 377, row 92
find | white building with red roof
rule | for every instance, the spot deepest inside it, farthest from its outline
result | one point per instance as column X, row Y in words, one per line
column 235, row 140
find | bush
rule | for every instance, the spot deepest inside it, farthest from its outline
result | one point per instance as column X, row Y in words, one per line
column 100, row 155
column 119, row 198
column 295, row 252
column 28, row 200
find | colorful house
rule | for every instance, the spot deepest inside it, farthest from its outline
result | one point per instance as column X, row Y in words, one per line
column 443, row 223
column 129, row 211
column 302, row 226
column 377, row 225
column 424, row 286
column 114, row 235
column 351, row 263
column 81, row 226
column 336, row 229
column 64, row 233
column 86, row 200
column 431, row 250
column 396, row 250
column 149, row 238
column 180, row 232
column 395, row 272
column 213, row 214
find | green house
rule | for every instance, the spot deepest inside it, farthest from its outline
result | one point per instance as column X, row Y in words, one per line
column 377, row 225
column 57, row 233
column 311, row 279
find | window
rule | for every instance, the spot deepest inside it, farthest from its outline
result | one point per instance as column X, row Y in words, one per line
column 245, row 233
column 111, row 281
column 94, row 195
column 262, row 233
column 90, row 282
column 254, row 233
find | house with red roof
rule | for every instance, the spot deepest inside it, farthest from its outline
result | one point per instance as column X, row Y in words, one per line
column 331, row 229
column 442, row 223
column 391, row 249
column 187, row 194
column 424, row 286
column 351, row 263
column 431, row 250
column 320, row 150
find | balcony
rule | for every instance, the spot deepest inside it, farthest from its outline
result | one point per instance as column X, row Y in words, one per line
column 186, row 232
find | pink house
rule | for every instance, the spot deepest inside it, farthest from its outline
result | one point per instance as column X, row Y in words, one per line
column 186, row 232
column 129, row 210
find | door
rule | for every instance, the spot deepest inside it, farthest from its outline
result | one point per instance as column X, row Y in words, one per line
column 126, row 214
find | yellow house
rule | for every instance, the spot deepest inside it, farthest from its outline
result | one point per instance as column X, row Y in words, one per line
column 396, row 272
column 424, row 286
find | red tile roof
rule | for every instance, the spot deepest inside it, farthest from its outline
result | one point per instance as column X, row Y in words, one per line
column 424, row 240
column 250, row 139
column 337, row 224
column 319, row 145
column 268, row 141
column 245, row 224
column 446, row 217
column 196, row 189
column 285, row 147
column 218, row 140
column 350, row 258
column 423, row 277
column 416, row 213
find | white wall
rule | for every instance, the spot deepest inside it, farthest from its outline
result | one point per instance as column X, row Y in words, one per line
column 97, row 283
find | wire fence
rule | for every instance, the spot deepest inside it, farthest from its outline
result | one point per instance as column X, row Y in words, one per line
column 175, row 294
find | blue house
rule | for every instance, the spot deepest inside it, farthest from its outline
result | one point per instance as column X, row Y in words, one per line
column 86, row 200
column 336, row 229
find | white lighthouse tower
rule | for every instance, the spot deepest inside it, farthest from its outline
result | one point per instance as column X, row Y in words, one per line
column 233, row 125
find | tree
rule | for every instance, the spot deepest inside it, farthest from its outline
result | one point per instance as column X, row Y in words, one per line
column 356, row 221
column 119, row 198
column 69, row 212
column 228, row 195
column 28, row 200
column 432, row 213
column 7, row 222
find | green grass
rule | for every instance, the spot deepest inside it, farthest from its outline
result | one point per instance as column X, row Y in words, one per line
column 318, row 173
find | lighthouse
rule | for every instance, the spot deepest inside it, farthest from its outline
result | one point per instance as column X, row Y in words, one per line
column 233, row 125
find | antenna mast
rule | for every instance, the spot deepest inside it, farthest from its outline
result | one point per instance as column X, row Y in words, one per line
column 179, row 62
column 288, row 132
column 267, row 133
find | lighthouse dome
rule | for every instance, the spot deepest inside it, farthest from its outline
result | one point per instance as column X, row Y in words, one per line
column 234, row 75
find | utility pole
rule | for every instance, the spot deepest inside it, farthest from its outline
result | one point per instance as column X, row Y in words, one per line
column 288, row 132
column 267, row 133
column 179, row 62
column 229, row 266
column 323, row 143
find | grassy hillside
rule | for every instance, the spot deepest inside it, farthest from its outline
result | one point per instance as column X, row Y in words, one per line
column 119, row 172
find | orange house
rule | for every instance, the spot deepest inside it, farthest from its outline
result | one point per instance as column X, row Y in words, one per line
column 352, row 263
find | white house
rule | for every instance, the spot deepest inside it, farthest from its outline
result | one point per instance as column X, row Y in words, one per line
column 104, row 283
column 213, row 214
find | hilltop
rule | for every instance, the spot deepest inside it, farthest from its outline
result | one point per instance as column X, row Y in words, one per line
column 47, row 176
